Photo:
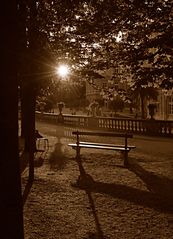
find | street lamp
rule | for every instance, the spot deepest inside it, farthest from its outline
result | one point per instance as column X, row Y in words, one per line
column 62, row 71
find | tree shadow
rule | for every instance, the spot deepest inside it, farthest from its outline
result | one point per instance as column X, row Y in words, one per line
column 27, row 191
column 24, row 159
column 57, row 158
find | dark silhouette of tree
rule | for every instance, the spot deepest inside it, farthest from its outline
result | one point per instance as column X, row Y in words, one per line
column 32, row 54
column 11, row 218
column 148, row 47
column 117, row 104
column 23, row 59
column 27, row 14
column 102, row 34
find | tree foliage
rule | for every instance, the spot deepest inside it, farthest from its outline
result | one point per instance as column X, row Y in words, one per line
column 96, row 35
column 69, row 91
column 116, row 104
column 148, row 47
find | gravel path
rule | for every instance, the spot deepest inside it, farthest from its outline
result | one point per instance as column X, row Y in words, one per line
column 134, row 202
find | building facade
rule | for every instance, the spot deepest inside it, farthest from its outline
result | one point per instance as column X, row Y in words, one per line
column 164, row 102
column 164, row 109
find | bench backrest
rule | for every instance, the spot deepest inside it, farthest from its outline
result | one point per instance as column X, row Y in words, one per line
column 105, row 134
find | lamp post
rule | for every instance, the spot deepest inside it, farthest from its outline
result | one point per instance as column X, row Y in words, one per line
column 62, row 71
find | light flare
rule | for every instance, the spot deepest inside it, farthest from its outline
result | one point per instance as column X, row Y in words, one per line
column 62, row 71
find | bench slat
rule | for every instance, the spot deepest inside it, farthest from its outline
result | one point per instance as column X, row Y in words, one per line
column 99, row 147
column 106, row 134
column 103, row 144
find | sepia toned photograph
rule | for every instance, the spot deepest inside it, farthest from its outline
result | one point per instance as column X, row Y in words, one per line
column 86, row 119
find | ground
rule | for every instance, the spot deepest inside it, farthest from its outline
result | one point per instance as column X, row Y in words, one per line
column 134, row 202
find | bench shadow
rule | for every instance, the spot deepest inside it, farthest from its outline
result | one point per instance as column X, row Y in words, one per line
column 135, row 196
column 99, row 234
column 159, row 196
column 85, row 182
column 159, row 185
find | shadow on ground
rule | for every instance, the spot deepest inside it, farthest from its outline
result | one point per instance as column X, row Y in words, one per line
column 158, row 185
column 57, row 158
column 27, row 190
column 159, row 196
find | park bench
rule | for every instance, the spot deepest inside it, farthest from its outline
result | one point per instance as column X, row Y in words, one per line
column 123, row 148
column 42, row 144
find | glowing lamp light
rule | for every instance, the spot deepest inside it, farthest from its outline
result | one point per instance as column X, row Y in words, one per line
column 62, row 70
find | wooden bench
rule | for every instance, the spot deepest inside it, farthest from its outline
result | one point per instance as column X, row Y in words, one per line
column 42, row 145
column 123, row 148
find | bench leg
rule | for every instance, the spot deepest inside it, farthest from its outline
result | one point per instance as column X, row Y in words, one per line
column 81, row 168
column 126, row 159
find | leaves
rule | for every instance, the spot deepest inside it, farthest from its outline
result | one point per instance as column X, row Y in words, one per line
column 99, row 35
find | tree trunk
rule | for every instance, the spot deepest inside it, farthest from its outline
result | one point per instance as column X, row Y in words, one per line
column 22, row 112
column 143, row 106
column 29, row 124
column 11, row 214
column 23, row 58
column 30, row 91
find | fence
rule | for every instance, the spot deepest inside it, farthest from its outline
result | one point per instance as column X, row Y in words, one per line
column 136, row 126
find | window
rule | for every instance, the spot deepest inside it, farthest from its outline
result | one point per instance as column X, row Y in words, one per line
column 170, row 105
